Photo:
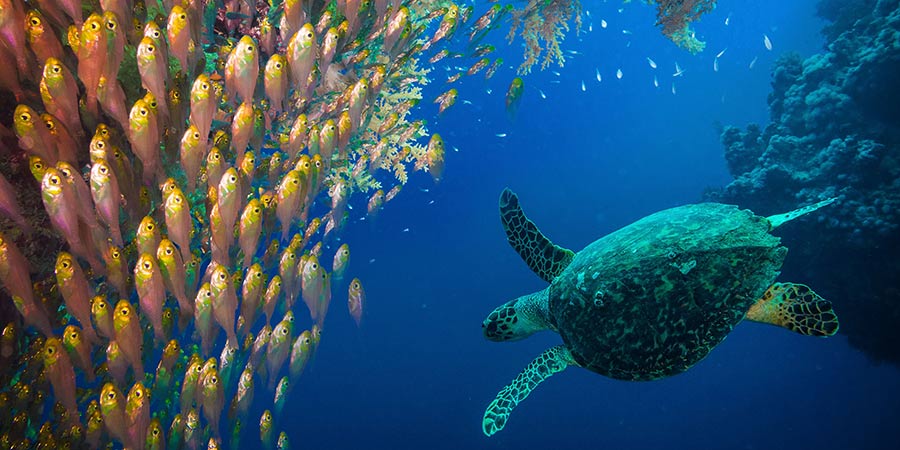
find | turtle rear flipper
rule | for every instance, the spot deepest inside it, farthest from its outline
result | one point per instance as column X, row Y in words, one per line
column 542, row 256
column 797, row 308
column 552, row 361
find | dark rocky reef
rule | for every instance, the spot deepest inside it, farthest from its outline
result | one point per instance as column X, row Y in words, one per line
column 834, row 131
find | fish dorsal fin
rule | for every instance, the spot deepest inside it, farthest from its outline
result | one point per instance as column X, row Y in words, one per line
column 542, row 256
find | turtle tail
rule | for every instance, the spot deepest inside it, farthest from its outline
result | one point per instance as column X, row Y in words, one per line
column 552, row 361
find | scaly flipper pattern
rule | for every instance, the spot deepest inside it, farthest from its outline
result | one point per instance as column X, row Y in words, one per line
column 542, row 256
column 797, row 308
column 552, row 361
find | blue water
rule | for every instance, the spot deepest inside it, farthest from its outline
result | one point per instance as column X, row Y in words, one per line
column 418, row 373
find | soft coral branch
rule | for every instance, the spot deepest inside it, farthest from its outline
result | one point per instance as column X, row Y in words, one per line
column 675, row 17
column 543, row 24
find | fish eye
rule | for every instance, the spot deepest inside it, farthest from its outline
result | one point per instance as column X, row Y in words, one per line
column 138, row 393
column 100, row 145
column 284, row 331
column 50, row 350
column 277, row 65
column 196, row 135
column 169, row 251
column 74, row 335
column 94, row 26
column 147, row 265
column 204, row 86
column 314, row 266
column 217, row 156
column 182, row 16
column 115, row 254
column 249, row 48
column 155, row 432
column 309, row 35
column 151, row 49
column 65, row 264
column 149, row 227
column 111, row 25
column 25, row 117
column 111, row 396
column 295, row 181
column 143, row 112
column 156, row 34
column 232, row 178
column 51, row 125
column 102, row 170
column 222, row 276
column 101, row 305
column 124, row 311
column 35, row 21
column 56, row 69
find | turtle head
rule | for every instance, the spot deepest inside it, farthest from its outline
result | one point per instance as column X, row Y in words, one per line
column 517, row 319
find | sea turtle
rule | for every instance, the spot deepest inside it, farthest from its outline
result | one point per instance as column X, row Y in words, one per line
column 651, row 299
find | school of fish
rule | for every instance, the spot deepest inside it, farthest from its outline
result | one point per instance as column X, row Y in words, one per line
column 177, row 173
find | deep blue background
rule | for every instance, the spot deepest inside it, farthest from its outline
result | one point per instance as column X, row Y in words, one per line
column 418, row 373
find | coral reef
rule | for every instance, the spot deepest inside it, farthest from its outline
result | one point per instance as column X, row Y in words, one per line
column 834, row 133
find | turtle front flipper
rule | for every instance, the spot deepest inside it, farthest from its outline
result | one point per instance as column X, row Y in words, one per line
column 797, row 308
column 553, row 360
column 542, row 256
